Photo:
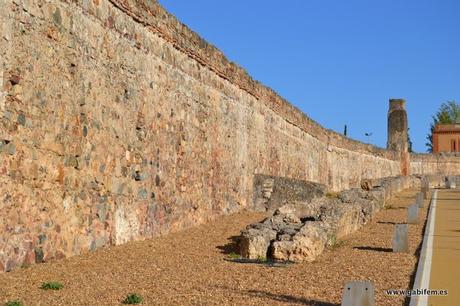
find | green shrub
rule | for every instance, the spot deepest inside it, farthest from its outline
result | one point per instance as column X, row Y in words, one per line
column 132, row 299
column 14, row 303
column 234, row 255
column 262, row 259
column 52, row 286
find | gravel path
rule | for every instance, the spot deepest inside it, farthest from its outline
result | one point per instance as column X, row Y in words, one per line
column 193, row 268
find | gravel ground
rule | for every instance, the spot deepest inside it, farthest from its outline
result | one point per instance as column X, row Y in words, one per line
column 193, row 267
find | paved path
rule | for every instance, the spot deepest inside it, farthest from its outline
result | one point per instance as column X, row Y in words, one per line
column 445, row 265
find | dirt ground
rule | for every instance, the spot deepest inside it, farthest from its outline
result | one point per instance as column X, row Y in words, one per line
column 193, row 267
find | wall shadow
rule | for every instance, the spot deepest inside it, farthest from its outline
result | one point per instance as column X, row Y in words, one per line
column 231, row 246
column 389, row 222
column 376, row 249
column 268, row 262
column 295, row 300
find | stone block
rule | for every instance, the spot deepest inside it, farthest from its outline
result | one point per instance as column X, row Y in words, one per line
column 420, row 201
column 426, row 194
column 254, row 243
column 412, row 214
column 451, row 182
column 401, row 239
column 358, row 293
column 306, row 245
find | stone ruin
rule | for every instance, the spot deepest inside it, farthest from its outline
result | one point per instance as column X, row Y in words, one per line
column 301, row 230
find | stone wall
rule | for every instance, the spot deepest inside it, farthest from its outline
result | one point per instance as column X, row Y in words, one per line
column 439, row 163
column 119, row 123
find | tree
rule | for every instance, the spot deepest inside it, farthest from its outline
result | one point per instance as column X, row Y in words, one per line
column 449, row 112
column 409, row 142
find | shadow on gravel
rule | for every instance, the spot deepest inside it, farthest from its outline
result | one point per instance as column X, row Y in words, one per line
column 268, row 263
column 389, row 222
column 395, row 207
column 231, row 246
column 377, row 249
column 288, row 298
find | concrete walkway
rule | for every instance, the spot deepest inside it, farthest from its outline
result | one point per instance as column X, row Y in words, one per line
column 439, row 264
column 445, row 265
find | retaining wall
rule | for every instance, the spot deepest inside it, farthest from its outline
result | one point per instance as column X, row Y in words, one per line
column 119, row 123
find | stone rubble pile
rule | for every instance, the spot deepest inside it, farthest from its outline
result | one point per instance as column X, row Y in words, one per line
column 300, row 230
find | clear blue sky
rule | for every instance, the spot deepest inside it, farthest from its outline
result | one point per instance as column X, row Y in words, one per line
column 340, row 61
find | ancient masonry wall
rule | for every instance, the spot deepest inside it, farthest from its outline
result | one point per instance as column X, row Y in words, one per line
column 440, row 163
column 119, row 123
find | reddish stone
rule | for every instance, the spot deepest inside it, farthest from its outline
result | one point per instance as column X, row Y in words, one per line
column 59, row 255
column 60, row 177
column 15, row 79
column 29, row 258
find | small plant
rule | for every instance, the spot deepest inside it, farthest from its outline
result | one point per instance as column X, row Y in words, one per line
column 14, row 303
column 333, row 242
column 332, row 195
column 337, row 244
column 52, row 286
column 262, row 259
column 234, row 255
column 390, row 207
column 132, row 299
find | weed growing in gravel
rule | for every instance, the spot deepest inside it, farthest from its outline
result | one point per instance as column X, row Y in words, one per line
column 52, row 286
column 262, row 259
column 132, row 299
column 233, row 255
column 332, row 195
column 14, row 303
column 332, row 240
column 337, row 244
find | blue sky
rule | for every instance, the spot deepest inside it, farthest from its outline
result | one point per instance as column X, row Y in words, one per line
column 340, row 61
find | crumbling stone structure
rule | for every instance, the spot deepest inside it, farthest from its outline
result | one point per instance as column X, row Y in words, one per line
column 397, row 126
column 301, row 227
column 398, row 132
column 119, row 123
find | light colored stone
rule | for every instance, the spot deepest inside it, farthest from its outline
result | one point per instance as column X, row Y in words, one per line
column 420, row 201
column 126, row 225
column 401, row 239
column 412, row 214
column 254, row 243
column 305, row 245
column 358, row 293
column 451, row 182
